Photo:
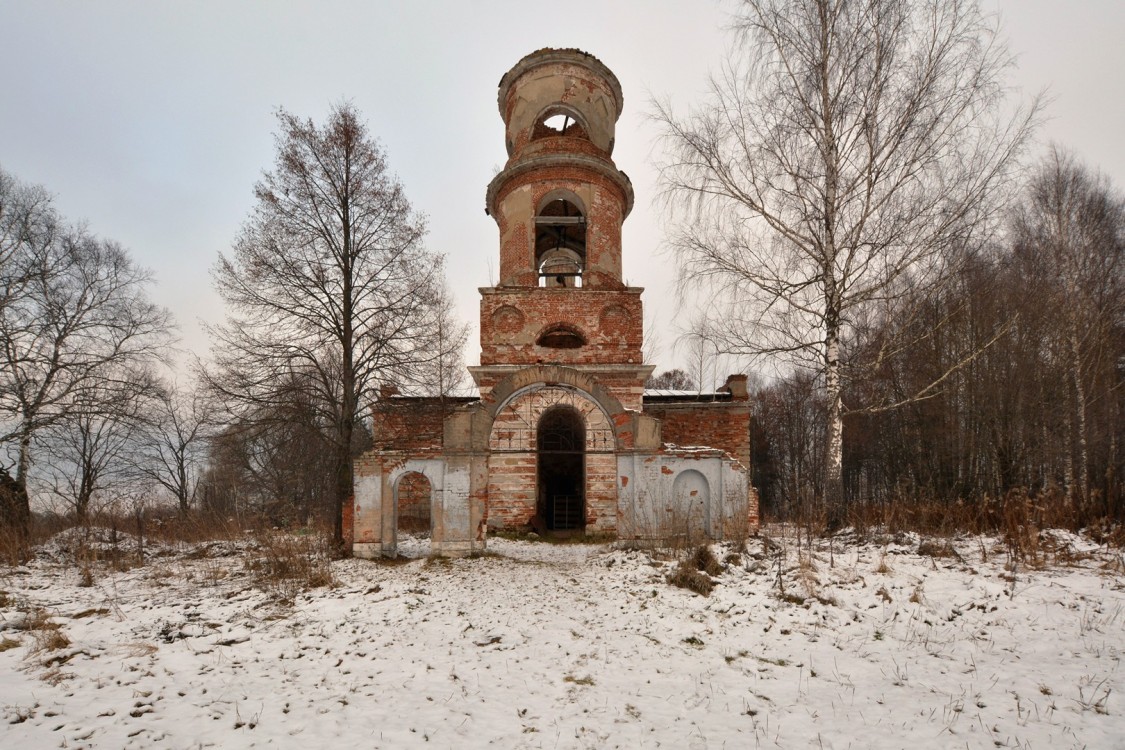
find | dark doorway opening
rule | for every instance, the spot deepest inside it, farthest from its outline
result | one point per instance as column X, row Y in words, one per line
column 561, row 446
column 414, row 495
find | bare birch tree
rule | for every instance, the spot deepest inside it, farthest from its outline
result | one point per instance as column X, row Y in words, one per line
column 848, row 151
column 1070, row 234
column 328, row 285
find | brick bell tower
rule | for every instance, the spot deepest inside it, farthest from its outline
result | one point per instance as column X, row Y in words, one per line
column 559, row 204
column 562, row 438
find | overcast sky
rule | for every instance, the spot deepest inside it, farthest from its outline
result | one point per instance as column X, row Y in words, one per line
column 151, row 121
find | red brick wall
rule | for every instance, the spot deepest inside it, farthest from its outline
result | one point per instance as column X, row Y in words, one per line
column 511, row 320
column 722, row 425
column 513, row 465
column 410, row 425
column 511, row 490
column 513, row 487
column 586, row 84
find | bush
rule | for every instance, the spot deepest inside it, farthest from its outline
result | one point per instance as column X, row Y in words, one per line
column 686, row 576
column 704, row 560
column 287, row 564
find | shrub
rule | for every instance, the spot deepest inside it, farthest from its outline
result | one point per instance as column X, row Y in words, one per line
column 704, row 560
column 286, row 564
column 687, row 576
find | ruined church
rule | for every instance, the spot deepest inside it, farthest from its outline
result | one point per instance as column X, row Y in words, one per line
column 563, row 437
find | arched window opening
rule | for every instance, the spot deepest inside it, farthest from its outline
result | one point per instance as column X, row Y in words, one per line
column 557, row 122
column 561, row 337
column 561, row 267
column 413, row 494
column 561, row 450
column 560, row 244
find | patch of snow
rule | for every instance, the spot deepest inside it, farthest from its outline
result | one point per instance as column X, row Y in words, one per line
column 849, row 644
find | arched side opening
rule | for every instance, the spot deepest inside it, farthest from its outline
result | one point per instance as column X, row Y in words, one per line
column 558, row 121
column 692, row 507
column 561, row 469
column 560, row 243
column 413, row 498
column 561, row 337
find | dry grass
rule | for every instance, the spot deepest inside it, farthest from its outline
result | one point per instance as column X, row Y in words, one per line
column 16, row 548
column 704, row 560
column 194, row 528
column 695, row 572
column 1019, row 517
column 937, row 548
column 286, row 564
column 1018, row 513
column 46, row 635
column 138, row 649
column 687, row 577
column 50, row 639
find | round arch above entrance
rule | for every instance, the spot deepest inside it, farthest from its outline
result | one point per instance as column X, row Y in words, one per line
column 563, row 479
column 515, row 426
column 413, row 498
column 565, row 380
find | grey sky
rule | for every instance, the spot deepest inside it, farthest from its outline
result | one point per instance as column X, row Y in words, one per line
column 152, row 120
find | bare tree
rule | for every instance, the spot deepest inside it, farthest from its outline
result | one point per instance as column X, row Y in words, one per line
column 1070, row 233
column 27, row 220
column 790, row 414
column 175, row 442
column 848, row 152
column 675, row 380
column 328, row 284
column 91, row 450
column 75, row 317
column 440, row 371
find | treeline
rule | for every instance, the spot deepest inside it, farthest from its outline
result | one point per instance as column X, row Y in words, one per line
column 330, row 294
column 1005, row 385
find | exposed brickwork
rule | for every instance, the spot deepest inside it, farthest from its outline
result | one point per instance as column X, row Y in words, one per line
column 722, row 425
column 559, row 81
column 517, row 198
column 512, row 320
column 513, row 465
column 511, row 490
column 411, row 425
column 414, row 494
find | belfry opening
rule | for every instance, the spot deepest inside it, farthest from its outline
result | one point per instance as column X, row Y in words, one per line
column 561, row 469
column 560, row 244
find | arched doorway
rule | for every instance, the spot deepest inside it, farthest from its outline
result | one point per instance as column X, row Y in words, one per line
column 413, row 494
column 561, row 454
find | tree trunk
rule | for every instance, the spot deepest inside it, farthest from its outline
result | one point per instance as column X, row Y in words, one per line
column 182, row 490
column 1079, row 415
column 834, row 450
column 21, row 502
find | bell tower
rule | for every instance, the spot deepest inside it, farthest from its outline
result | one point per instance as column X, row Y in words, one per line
column 559, row 204
column 562, row 439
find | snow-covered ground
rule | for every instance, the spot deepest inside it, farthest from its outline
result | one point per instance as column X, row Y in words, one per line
column 865, row 645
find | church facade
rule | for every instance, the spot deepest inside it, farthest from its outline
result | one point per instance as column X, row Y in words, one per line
column 563, row 437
